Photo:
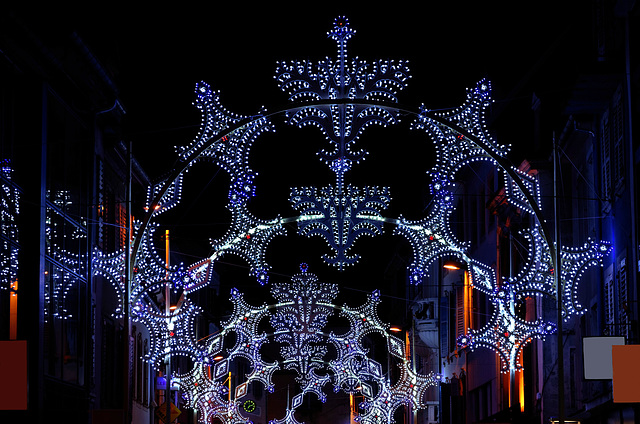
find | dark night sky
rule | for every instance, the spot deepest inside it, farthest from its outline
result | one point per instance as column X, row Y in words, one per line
column 157, row 56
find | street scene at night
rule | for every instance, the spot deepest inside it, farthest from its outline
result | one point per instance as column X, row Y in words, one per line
column 261, row 214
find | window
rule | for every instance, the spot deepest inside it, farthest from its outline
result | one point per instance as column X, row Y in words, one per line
column 139, row 368
column 112, row 361
column 145, row 378
column 64, row 319
column 623, row 298
column 9, row 209
column 9, row 249
column 612, row 149
column 460, row 315
column 444, row 329
column 460, row 303
column 481, row 398
column 617, row 141
column 608, row 302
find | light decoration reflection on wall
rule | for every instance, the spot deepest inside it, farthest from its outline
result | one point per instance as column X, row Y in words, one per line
column 342, row 98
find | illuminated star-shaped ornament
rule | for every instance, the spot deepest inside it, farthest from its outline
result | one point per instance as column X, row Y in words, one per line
column 506, row 333
column 574, row 263
column 537, row 275
column 196, row 385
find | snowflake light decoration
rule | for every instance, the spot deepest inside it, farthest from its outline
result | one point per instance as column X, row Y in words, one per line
column 9, row 211
column 298, row 320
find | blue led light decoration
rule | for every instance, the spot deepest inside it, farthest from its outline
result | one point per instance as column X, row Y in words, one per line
column 453, row 149
column 248, row 237
column 460, row 138
column 9, row 211
column 341, row 97
column 505, row 332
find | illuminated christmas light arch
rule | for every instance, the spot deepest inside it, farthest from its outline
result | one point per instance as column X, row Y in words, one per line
column 298, row 320
column 9, row 243
column 342, row 98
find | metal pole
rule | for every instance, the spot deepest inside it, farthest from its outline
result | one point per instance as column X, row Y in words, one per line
column 556, row 277
column 635, row 247
column 167, row 306
column 407, row 356
column 413, row 360
column 127, row 283
column 351, row 408
column 440, row 340
column 513, row 395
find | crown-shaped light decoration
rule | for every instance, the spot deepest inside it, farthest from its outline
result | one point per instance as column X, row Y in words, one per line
column 355, row 92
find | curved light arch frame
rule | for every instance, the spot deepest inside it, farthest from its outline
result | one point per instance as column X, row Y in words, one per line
column 503, row 163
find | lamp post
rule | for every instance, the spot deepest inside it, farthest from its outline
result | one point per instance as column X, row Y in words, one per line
column 127, row 399
column 557, row 281
column 457, row 406
column 167, row 310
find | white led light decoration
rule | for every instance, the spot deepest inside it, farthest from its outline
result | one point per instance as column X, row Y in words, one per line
column 248, row 237
column 289, row 418
column 340, row 217
column 172, row 333
column 453, row 149
column 514, row 194
column 505, row 333
column 342, row 98
column 9, row 211
column 169, row 199
column 297, row 321
column 339, row 80
column 112, row 268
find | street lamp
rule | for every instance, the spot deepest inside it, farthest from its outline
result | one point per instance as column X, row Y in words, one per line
column 451, row 266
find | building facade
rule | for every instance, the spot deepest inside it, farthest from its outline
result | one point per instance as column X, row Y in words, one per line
column 585, row 101
column 64, row 198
